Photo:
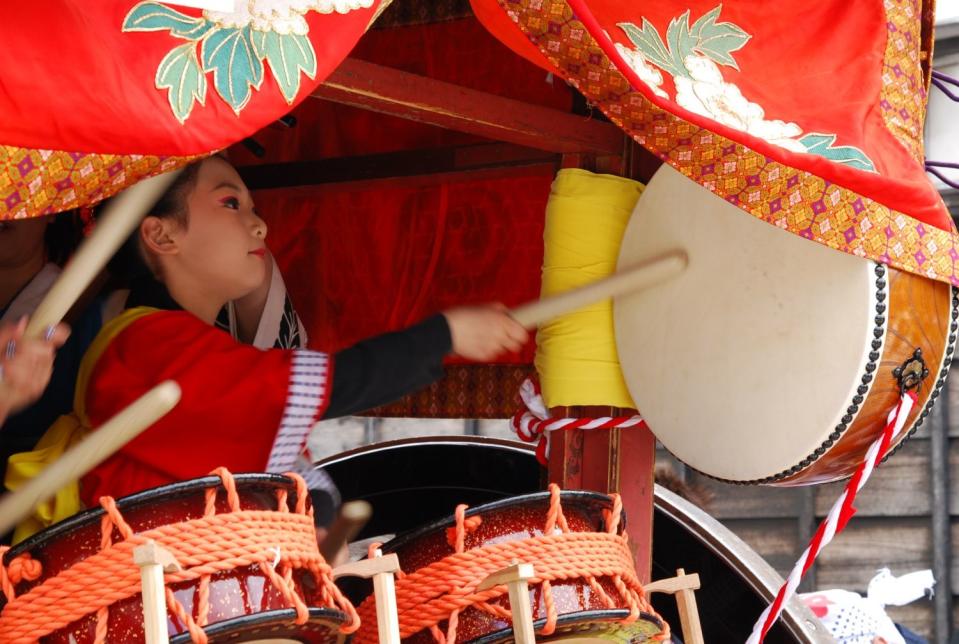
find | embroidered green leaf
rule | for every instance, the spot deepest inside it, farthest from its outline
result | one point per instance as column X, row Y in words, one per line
column 181, row 74
column 717, row 40
column 648, row 42
column 679, row 41
column 286, row 54
column 822, row 144
column 237, row 69
column 696, row 30
column 153, row 16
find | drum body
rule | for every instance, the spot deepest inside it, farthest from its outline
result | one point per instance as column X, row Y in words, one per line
column 242, row 600
column 771, row 359
column 581, row 610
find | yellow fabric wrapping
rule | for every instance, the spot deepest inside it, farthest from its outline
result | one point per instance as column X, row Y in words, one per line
column 576, row 357
column 62, row 435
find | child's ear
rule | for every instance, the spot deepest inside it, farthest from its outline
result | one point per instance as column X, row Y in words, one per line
column 157, row 235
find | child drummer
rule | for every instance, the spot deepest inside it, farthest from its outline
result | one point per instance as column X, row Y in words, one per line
column 241, row 407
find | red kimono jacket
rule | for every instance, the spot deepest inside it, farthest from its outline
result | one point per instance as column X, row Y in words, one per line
column 243, row 408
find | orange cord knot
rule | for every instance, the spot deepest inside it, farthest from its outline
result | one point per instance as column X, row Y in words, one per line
column 21, row 568
column 469, row 526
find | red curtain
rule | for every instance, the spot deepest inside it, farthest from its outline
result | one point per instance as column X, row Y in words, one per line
column 369, row 257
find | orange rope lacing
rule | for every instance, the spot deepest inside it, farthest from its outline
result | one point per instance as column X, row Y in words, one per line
column 440, row 591
column 214, row 543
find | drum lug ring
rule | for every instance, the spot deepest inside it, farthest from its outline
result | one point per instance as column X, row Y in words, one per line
column 911, row 373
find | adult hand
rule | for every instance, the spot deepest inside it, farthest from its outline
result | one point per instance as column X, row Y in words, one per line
column 484, row 332
column 25, row 365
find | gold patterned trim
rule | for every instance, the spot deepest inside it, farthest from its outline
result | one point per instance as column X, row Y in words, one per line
column 43, row 182
column 902, row 98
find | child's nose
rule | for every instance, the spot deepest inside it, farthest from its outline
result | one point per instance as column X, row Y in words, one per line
column 259, row 227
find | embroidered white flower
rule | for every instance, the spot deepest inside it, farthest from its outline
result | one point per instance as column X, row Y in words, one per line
column 646, row 72
column 707, row 94
column 281, row 16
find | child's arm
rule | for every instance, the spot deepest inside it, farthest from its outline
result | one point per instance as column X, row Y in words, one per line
column 389, row 366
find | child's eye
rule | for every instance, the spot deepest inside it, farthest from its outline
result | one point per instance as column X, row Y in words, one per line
column 231, row 202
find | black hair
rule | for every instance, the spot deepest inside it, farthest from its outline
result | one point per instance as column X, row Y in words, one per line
column 129, row 264
column 62, row 236
column 172, row 203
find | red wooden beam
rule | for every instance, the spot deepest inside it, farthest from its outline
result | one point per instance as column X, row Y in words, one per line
column 426, row 100
column 437, row 162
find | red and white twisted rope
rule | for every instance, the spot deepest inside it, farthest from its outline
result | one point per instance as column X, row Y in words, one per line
column 534, row 424
column 839, row 515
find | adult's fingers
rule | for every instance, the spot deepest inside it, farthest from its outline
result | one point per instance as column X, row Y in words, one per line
column 58, row 335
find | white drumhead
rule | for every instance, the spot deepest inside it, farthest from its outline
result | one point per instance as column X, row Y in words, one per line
column 744, row 364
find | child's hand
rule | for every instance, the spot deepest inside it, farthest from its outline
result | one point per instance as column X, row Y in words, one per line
column 25, row 365
column 482, row 333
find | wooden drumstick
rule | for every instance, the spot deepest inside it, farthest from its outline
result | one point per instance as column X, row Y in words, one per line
column 93, row 450
column 351, row 519
column 644, row 274
column 121, row 217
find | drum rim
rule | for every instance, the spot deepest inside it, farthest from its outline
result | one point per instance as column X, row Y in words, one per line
column 316, row 613
column 179, row 488
column 450, row 520
column 610, row 614
column 421, row 441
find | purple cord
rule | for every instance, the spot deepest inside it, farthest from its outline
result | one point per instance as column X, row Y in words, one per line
column 945, row 77
column 940, row 80
column 942, row 164
column 949, row 182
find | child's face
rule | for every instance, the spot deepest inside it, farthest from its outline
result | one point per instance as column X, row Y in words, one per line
column 222, row 246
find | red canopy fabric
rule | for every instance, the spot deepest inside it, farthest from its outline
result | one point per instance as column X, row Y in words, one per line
column 98, row 95
column 809, row 117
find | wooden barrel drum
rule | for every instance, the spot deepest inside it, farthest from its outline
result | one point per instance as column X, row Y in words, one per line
column 270, row 536
column 441, row 573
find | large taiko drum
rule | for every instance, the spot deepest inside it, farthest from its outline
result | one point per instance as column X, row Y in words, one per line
column 585, row 583
column 251, row 569
column 772, row 359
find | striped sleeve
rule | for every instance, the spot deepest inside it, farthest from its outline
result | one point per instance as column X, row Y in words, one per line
column 308, row 393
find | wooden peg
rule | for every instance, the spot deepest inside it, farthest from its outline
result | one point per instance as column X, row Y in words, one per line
column 381, row 569
column 515, row 578
column 153, row 561
column 683, row 587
